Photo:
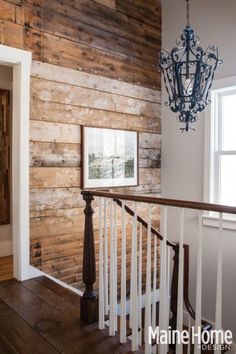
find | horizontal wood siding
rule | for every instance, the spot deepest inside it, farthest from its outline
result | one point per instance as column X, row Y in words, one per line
column 95, row 64
column 62, row 100
column 117, row 40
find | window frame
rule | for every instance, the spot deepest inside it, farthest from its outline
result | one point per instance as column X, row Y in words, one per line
column 213, row 151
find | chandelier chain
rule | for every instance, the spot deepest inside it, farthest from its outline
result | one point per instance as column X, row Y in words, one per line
column 188, row 12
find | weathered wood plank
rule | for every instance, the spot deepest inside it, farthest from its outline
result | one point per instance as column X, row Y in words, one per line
column 55, row 198
column 48, row 223
column 46, row 177
column 64, row 246
column 17, row 2
column 19, row 17
column 54, row 154
column 33, row 41
column 60, row 222
column 143, row 11
column 45, row 90
column 150, row 141
column 108, row 3
column 8, row 11
column 55, row 23
column 11, row 34
column 154, row 189
column 54, row 132
column 79, row 78
column 150, row 158
column 66, row 53
column 61, row 113
column 55, row 267
column 149, row 176
column 108, row 20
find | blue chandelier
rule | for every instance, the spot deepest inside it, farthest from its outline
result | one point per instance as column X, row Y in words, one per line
column 188, row 73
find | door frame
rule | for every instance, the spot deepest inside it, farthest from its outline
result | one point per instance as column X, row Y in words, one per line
column 20, row 61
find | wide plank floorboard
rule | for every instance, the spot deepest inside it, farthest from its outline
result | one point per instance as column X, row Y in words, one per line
column 39, row 316
column 16, row 336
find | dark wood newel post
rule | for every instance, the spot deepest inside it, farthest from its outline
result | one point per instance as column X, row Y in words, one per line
column 175, row 283
column 89, row 301
column 174, row 288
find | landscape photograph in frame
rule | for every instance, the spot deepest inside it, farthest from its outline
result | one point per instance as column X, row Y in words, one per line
column 110, row 158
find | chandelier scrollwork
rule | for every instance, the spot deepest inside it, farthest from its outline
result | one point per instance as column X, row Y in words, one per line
column 188, row 72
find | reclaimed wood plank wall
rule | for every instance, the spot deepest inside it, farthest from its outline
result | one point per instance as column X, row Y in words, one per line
column 94, row 64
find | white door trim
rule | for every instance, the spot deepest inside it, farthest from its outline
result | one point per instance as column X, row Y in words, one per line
column 20, row 60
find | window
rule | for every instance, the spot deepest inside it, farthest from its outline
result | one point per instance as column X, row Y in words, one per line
column 220, row 143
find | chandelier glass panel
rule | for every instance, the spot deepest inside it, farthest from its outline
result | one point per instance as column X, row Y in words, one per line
column 188, row 72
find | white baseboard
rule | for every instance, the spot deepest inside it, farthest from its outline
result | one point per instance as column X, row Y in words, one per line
column 6, row 248
column 34, row 273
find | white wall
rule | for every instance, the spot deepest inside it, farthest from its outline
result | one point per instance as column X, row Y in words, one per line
column 183, row 154
column 6, row 77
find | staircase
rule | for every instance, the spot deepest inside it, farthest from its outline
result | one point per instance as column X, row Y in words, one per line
column 157, row 291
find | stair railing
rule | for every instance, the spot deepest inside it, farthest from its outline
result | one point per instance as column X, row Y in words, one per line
column 136, row 305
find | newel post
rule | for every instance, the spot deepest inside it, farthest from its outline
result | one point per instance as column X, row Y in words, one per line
column 174, row 288
column 89, row 301
column 175, row 284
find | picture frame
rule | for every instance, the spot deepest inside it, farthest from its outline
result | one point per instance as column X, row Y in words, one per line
column 109, row 158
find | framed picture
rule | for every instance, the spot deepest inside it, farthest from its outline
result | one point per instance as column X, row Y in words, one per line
column 109, row 158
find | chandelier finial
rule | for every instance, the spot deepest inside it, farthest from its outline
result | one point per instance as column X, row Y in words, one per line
column 188, row 12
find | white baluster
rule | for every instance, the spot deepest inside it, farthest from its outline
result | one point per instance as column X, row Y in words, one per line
column 131, row 320
column 198, row 321
column 123, row 335
column 106, row 284
column 112, row 307
column 189, row 330
column 179, row 347
column 134, row 289
column 163, row 282
column 154, row 290
column 218, row 319
column 115, row 264
column 148, row 296
column 140, row 282
column 101, row 279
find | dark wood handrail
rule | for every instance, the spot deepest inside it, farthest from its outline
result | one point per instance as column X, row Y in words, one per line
column 89, row 302
column 162, row 201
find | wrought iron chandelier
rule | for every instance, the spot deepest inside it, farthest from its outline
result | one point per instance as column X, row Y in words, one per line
column 188, row 75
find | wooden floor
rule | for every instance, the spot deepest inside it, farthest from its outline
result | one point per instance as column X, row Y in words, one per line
column 6, row 268
column 40, row 317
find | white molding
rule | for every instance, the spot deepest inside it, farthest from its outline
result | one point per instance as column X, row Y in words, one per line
column 20, row 60
column 211, row 140
column 34, row 273
column 213, row 221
